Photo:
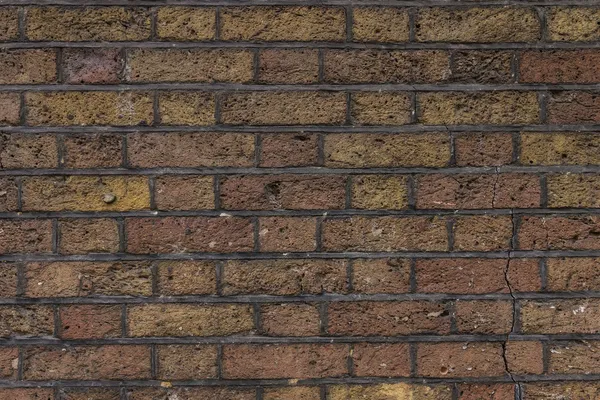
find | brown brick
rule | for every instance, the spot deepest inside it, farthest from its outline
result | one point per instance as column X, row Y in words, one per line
column 380, row 24
column 280, row 23
column 27, row 66
column 273, row 192
column 25, row 236
column 524, row 275
column 573, row 190
column 385, row 360
column 387, row 318
column 478, row 391
column 574, row 358
column 152, row 150
column 92, row 151
column 524, row 357
column 483, row 149
column 573, row 107
column 288, row 66
column 8, row 194
column 9, row 25
column 468, row 108
column 86, row 362
column 447, row 360
column 189, row 320
column 10, row 106
column 379, row 192
column 92, row 65
column 90, row 321
column 188, row 234
column 186, row 108
column 386, row 66
column 77, row 24
column 184, row 193
column 573, row 24
column 292, row 393
column 87, row 393
column 8, row 279
column 185, row 23
column 391, row 150
column 26, row 321
column 483, row 233
column 560, row 148
column 187, row 362
column 477, row 24
column 289, row 150
column 478, row 191
column 490, row 317
column 78, row 236
column 284, row 277
column 78, row 279
column 381, row 108
column 287, row 234
column 486, row 67
column 191, row 393
column 289, row 320
column 560, row 316
column 175, row 278
column 388, row 233
column 86, row 193
column 283, row 108
column 385, row 391
column 89, row 108
column 573, row 274
column 559, row 66
column 559, row 233
column 9, row 363
column 28, row 393
column 293, row 361
column 374, row 276
column 19, row 150
column 573, row 389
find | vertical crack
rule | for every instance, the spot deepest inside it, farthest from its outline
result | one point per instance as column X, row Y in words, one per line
column 494, row 196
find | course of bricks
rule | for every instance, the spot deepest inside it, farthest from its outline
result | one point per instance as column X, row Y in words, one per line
column 309, row 200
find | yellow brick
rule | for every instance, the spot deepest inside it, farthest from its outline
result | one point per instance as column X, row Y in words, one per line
column 187, row 108
column 185, row 23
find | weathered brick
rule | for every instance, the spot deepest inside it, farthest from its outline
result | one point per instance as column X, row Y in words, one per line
column 390, row 233
column 10, row 106
column 88, row 393
column 289, row 150
column 78, row 236
column 92, row 65
column 19, row 150
column 189, row 320
column 380, row 24
column 559, row 233
column 287, row 234
column 77, row 24
column 288, row 66
column 8, row 195
column 186, row 108
column 187, row 362
column 573, row 190
column 279, row 23
column 373, row 276
column 490, row 317
column 559, row 66
column 479, row 391
column 573, row 107
column 9, row 25
column 381, row 108
column 486, row 67
column 90, row 321
column 483, row 233
column 573, row 274
column 524, row 357
column 191, row 393
column 574, row 358
column 385, row 391
column 385, row 360
column 447, row 360
column 578, row 24
column 483, row 149
column 28, row 393
column 25, row 236
column 9, row 363
column 8, row 279
column 184, row 193
column 289, row 320
column 92, row 151
column 572, row 389
column 559, row 148
column 477, row 24
column 27, row 66
column 16, row 321
column 292, row 393
column 379, row 192
column 560, row 316
column 524, row 275
column 185, row 23
column 175, row 278
column 293, row 361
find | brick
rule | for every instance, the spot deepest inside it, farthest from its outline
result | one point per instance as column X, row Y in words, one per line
column 280, row 23
column 19, row 150
column 92, row 151
column 8, row 279
column 560, row 316
column 185, row 23
column 573, row 107
column 28, row 393
column 497, row 391
column 477, row 24
column 86, row 193
column 471, row 108
column 10, row 106
column 80, row 279
column 372, row 276
column 387, row 318
column 284, row 277
column 484, row 67
column 27, row 66
column 90, row 321
column 88, row 108
column 559, row 66
column 578, row 24
column 175, row 278
column 9, row 362
column 380, row 24
column 78, row 236
column 86, row 362
column 190, row 65
column 189, row 320
column 293, row 361
column 289, row 320
column 381, row 108
column 391, row 150
column 574, row 389
column 385, row 360
column 483, row 233
column 184, row 193
column 87, row 393
column 385, row 66
column 478, row 191
column 187, row 362
column 524, row 357
column 9, row 23
column 573, row 190
column 292, row 393
column 188, row 234
column 390, row 233
column 76, row 24
column 273, row 192
column 289, row 150
column 491, row 317
column 559, row 148
column 186, row 108
column 559, row 233
column 524, row 275
column 283, row 108
column 18, row 321
column 191, row 393
column 574, row 358
column 8, row 195
column 573, row 274
column 288, row 66
column 379, row 192
column 447, row 360
column 92, row 65
column 287, row 234
column 385, row 391
column 25, row 236
column 483, row 149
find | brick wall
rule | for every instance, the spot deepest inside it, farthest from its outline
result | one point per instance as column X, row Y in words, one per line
column 347, row 200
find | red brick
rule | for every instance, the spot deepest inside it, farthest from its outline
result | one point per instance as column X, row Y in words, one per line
column 289, row 320
column 373, row 276
column 574, row 358
column 92, row 65
column 93, row 151
column 491, row 317
column 78, row 236
column 27, row 393
column 187, row 362
column 560, row 316
column 8, row 279
column 184, row 192
column 524, row 357
column 26, row 236
column 8, row 195
column 383, row 391
column 483, row 149
column 176, row 278
column 448, row 360
column 28, row 66
column 19, row 150
column 287, row 234
column 559, row 233
column 191, row 393
column 90, row 321
column 26, row 321
column 524, row 275
column 574, row 389
column 573, row 107
column 560, row 66
column 385, row 360
column 88, row 393
column 10, row 106
column 289, row 150
column 9, row 362
column 482, row 233
column 496, row 391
